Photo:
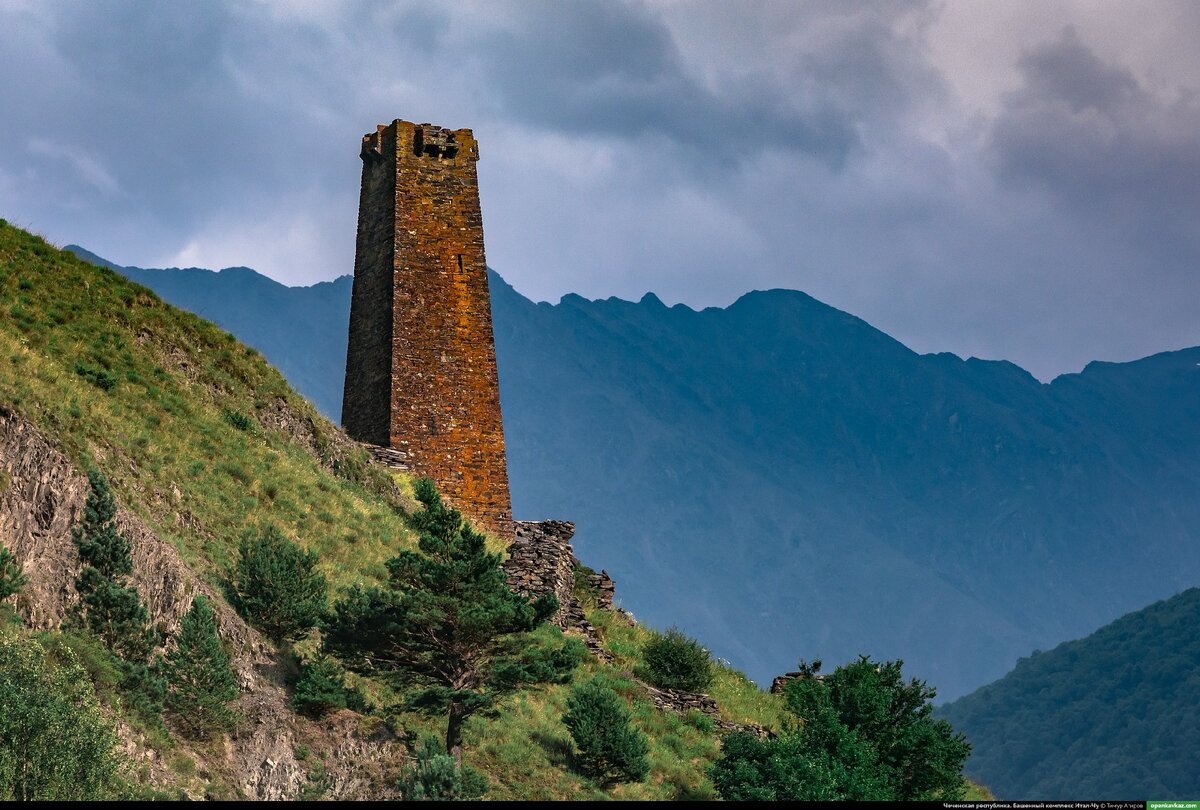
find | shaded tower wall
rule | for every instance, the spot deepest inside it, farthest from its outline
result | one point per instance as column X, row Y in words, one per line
column 421, row 363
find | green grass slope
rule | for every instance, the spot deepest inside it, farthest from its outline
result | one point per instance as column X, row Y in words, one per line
column 203, row 440
column 1113, row 715
column 198, row 434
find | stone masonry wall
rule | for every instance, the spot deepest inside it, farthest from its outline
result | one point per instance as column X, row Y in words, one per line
column 540, row 561
column 421, row 268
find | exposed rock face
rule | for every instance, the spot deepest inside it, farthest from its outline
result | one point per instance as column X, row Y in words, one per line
column 421, row 362
column 42, row 495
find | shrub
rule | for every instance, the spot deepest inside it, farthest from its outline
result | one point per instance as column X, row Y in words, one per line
column 277, row 586
column 239, row 420
column 322, row 688
column 202, row 684
column 610, row 748
column 55, row 744
column 674, row 661
column 434, row 776
column 99, row 377
column 11, row 577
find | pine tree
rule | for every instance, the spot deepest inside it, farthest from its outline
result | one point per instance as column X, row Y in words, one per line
column 278, row 587
column 611, row 749
column 11, row 577
column 202, row 683
column 448, row 624
column 322, row 688
column 109, row 607
column 435, row 776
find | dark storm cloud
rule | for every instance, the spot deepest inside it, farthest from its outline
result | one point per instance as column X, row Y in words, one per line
column 1092, row 134
column 1120, row 156
column 698, row 149
column 605, row 68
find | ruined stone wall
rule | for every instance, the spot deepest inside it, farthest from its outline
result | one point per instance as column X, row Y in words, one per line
column 540, row 561
column 424, row 278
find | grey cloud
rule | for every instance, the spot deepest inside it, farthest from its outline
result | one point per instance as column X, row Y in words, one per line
column 611, row 69
column 1092, row 135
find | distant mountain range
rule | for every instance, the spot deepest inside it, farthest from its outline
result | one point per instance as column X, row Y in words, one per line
column 1113, row 715
column 783, row 480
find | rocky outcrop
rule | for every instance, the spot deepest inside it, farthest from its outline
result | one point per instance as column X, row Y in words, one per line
column 42, row 494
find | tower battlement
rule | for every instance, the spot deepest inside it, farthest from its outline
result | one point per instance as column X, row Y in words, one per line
column 421, row 362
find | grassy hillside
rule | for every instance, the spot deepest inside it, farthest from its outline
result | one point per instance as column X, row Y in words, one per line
column 198, row 434
column 203, row 440
column 1116, row 714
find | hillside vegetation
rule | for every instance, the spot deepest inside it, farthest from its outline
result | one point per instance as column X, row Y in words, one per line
column 953, row 513
column 207, row 445
column 1115, row 714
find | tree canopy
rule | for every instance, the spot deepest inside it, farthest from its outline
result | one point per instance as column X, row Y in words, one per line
column 447, row 627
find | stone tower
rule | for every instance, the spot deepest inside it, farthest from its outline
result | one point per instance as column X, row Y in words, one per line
column 421, row 364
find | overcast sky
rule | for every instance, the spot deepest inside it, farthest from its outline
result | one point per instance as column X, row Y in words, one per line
column 1015, row 180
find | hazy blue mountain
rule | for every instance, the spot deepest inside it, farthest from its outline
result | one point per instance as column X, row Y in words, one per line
column 783, row 480
column 1113, row 715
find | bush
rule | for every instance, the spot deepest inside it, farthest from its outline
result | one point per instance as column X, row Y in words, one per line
column 55, row 744
column 277, row 586
column 202, row 684
column 674, row 661
column 322, row 688
column 434, row 776
column 11, row 577
column 99, row 377
column 610, row 748
column 239, row 420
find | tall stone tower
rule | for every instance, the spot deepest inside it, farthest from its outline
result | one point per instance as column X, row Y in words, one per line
column 421, row 364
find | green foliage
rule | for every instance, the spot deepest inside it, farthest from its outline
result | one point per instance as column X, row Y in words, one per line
column 108, row 606
column 435, row 776
column 674, row 661
column 867, row 735
column 161, row 424
column 55, row 744
column 96, row 536
column 11, row 577
column 97, row 376
column 791, row 767
column 920, row 756
column 202, row 683
column 447, row 623
column 277, row 585
column 610, row 748
column 321, row 688
column 239, row 420
column 1116, row 713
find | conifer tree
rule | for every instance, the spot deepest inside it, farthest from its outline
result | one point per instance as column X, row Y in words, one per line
column 611, row 749
column 448, row 624
column 202, row 683
column 278, row 587
column 109, row 607
column 11, row 577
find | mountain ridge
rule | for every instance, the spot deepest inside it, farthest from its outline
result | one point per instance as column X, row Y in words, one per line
column 780, row 462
